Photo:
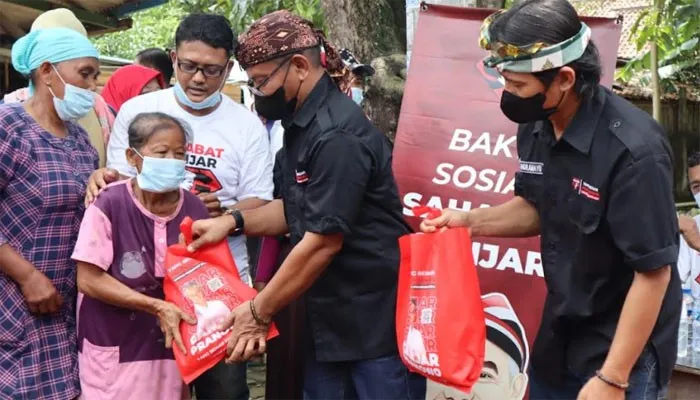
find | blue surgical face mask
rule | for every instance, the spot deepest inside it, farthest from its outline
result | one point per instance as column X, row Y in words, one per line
column 358, row 95
column 160, row 175
column 209, row 102
column 76, row 102
column 697, row 199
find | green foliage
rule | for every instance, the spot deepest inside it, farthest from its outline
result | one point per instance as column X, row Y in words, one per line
column 242, row 13
column 675, row 28
column 154, row 27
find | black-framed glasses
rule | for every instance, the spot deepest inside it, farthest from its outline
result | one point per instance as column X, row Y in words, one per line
column 209, row 71
column 256, row 89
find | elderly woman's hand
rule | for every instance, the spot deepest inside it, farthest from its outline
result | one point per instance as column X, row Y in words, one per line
column 40, row 293
column 169, row 316
column 98, row 180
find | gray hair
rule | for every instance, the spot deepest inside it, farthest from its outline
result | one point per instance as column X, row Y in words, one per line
column 145, row 125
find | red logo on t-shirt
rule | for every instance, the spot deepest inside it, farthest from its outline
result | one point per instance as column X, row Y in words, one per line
column 205, row 181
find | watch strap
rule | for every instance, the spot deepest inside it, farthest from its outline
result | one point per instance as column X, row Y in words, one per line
column 238, row 219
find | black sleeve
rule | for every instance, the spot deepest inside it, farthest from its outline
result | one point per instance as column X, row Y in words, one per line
column 642, row 214
column 527, row 186
column 340, row 166
column 277, row 176
column 523, row 189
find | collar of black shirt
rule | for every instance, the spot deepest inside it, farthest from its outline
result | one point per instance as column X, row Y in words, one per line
column 579, row 134
column 313, row 101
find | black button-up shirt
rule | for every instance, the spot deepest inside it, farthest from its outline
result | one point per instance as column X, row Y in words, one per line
column 334, row 175
column 605, row 200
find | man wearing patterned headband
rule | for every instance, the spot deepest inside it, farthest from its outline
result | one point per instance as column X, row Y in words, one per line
column 339, row 203
column 596, row 183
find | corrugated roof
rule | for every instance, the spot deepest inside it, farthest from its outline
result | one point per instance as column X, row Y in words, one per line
column 632, row 92
column 98, row 16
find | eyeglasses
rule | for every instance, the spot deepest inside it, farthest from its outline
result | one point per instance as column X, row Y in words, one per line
column 209, row 71
column 255, row 89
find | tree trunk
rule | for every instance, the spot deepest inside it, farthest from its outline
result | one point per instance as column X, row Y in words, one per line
column 375, row 30
column 368, row 28
column 655, row 81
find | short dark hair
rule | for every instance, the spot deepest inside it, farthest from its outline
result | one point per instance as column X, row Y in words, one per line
column 212, row 29
column 157, row 59
column 550, row 22
column 314, row 55
column 694, row 159
column 145, row 125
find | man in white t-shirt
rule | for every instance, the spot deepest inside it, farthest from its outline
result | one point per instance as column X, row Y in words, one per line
column 689, row 252
column 229, row 162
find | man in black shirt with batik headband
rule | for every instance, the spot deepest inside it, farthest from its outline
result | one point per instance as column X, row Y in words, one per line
column 340, row 204
column 596, row 183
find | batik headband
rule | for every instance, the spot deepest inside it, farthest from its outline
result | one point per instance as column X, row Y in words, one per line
column 535, row 57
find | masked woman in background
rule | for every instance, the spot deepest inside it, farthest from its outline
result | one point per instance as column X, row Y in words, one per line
column 98, row 121
column 45, row 162
column 128, row 82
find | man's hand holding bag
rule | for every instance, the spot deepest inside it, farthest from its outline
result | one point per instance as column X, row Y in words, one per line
column 439, row 318
column 204, row 283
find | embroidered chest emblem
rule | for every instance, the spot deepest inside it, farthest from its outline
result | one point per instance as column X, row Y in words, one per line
column 585, row 189
column 301, row 176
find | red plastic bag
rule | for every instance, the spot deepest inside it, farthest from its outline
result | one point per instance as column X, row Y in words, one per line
column 440, row 323
column 205, row 284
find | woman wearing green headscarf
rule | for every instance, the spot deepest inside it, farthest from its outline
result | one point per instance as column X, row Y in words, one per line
column 45, row 162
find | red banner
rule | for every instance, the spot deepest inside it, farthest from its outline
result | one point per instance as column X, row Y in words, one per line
column 455, row 149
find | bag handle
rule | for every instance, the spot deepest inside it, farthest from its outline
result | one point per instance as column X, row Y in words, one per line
column 186, row 229
column 428, row 212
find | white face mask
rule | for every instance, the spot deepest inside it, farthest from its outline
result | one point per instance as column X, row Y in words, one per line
column 209, row 102
column 697, row 199
column 76, row 102
column 160, row 175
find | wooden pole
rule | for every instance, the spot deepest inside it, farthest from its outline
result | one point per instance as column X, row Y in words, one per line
column 655, row 81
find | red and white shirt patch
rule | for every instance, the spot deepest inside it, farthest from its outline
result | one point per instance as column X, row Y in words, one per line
column 302, row 176
column 585, row 189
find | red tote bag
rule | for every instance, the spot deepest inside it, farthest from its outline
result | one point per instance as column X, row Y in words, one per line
column 205, row 284
column 440, row 324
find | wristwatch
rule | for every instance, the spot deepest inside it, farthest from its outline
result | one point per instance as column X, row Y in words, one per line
column 238, row 218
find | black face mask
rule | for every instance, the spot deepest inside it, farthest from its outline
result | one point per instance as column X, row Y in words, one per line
column 522, row 110
column 274, row 107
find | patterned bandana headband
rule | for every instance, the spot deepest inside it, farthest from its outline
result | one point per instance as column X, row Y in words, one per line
column 535, row 57
column 283, row 33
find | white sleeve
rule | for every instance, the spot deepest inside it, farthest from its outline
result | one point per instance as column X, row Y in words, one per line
column 118, row 143
column 256, row 168
column 276, row 138
column 685, row 254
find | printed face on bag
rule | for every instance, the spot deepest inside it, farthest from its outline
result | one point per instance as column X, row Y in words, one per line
column 194, row 292
column 210, row 313
column 500, row 379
